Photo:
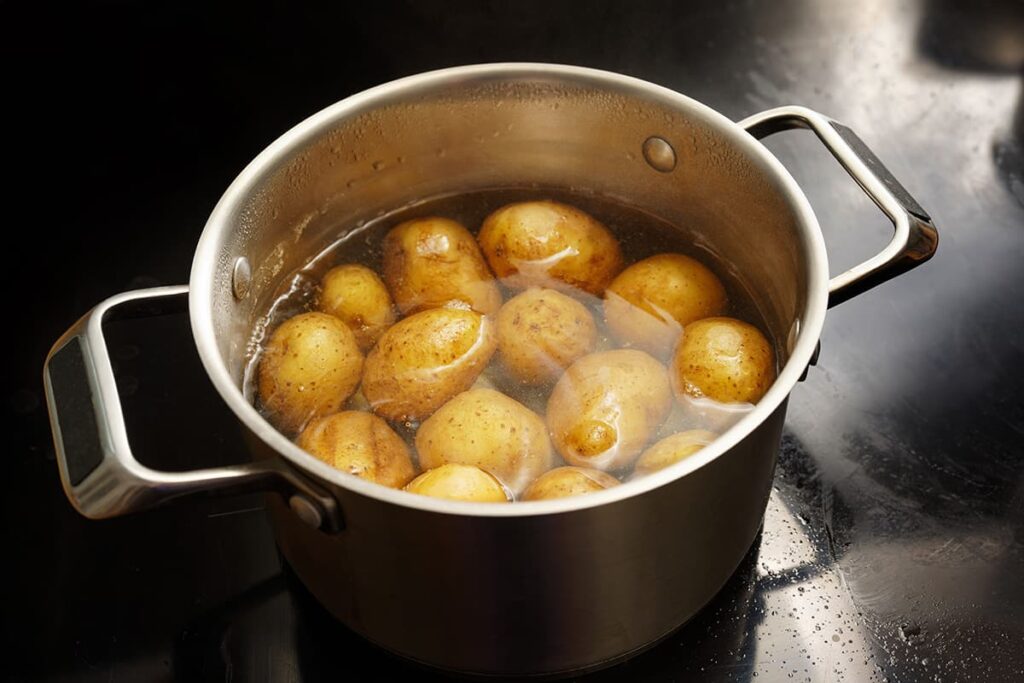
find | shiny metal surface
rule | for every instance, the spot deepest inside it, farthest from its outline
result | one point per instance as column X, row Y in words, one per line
column 552, row 122
column 915, row 239
column 897, row 499
column 117, row 483
column 658, row 152
column 567, row 111
column 519, row 595
column 241, row 277
column 655, row 549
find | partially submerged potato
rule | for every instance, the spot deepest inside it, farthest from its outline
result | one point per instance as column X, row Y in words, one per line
column 724, row 359
column 424, row 360
column 606, row 406
column 356, row 295
column 309, row 368
column 486, row 428
column 361, row 444
column 459, row 482
column 540, row 333
column 432, row 262
column 546, row 243
column 563, row 482
column 650, row 302
column 673, row 449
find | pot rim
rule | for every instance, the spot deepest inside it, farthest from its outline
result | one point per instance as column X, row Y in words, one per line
column 205, row 262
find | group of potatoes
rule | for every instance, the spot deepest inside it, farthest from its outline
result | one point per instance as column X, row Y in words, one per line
column 416, row 340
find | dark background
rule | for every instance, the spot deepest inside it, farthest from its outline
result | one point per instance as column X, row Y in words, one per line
column 894, row 542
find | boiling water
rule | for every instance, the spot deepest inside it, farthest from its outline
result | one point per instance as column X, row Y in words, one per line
column 639, row 233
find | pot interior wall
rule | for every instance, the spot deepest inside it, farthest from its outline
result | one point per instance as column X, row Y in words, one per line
column 391, row 147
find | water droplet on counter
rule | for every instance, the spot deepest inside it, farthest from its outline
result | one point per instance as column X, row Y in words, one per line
column 908, row 631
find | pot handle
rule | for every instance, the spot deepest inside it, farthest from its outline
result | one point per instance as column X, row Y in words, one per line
column 915, row 239
column 100, row 475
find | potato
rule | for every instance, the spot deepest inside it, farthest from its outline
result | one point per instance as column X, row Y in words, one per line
column 606, row 406
column 459, row 482
column 431, row 262
column 563, row 482
column 650, row 302
column 356, row 295
column 361, row 444
column 309, row 368
column 540, row 333
column 424, row 360
column 486, row 428
column 546, row 243
column 723, row 359
column 672, row 449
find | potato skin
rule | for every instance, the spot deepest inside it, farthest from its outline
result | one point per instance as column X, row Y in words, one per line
column 431, row 262
column 648, row 304
column 563, row 482
column 424, row 360
column 459, row 482
column 486, row 428
column 357, row 296
column 606, row 406
column 359, row 443
column 723, row 359
column 672, row 449
column 540, row 333
column 547, row 243
column 309, row 368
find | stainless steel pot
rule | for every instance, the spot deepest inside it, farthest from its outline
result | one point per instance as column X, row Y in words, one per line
column 540, row 587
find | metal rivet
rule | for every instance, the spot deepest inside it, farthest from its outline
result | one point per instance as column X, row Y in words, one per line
column 306, row 511
column 241, row 278
column 794, row 335
column 659, row 154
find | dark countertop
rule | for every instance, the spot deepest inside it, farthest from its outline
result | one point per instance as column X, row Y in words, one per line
column 893, row 546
